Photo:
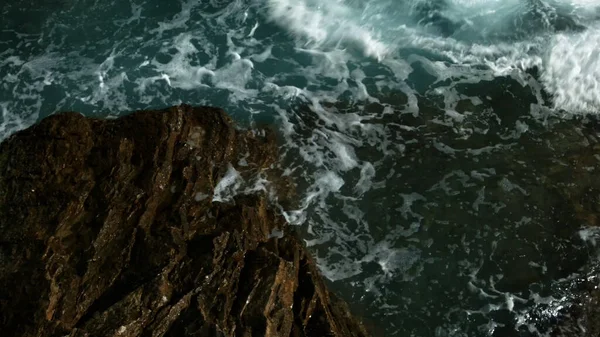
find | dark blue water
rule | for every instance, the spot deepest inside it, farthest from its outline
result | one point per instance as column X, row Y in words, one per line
column 445, row 152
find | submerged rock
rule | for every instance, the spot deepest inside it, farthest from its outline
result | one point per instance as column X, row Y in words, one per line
column 113, row 228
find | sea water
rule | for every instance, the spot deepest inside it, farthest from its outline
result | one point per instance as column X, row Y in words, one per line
column 440, row 148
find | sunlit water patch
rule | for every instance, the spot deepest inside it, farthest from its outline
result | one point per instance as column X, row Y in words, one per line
column 444, row 152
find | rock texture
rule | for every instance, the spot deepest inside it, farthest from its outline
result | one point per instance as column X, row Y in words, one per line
column 112, row 228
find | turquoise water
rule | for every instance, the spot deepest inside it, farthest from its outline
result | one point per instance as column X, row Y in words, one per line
column 444, row 151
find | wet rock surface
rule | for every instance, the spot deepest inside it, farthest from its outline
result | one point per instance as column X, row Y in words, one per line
column 112, row 228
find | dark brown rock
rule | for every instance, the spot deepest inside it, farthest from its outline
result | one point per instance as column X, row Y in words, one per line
column 108, row 228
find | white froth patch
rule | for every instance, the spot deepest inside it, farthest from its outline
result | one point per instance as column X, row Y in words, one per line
column 408, row 201
column 260, row 184
column 393, row 260
column 179, row 73
column 228, row 185
column 287, row 92
column 572, row 72
column 262, row 57
column 13, row 60
column 235, row 77
column 509, row 186
column 330, row 182
column 584, row 4
column 367, row 173
column 325, row 183
column 326, row 23
column 338, row 271
column 590, row 235
column 179, row 20
column 345, row 154
column 12, row 122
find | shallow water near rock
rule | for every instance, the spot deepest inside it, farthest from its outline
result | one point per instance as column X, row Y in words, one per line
column 445, row 152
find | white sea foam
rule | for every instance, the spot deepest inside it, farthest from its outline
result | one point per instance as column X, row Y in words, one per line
column 590, row 235
column 572, row 71
column 179, row 72
column 179, row 20
column 10, row 122
column 326, row 24
column 569, row 62
column 228, row 186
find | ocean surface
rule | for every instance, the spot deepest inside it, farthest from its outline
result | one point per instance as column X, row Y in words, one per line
column 444, row 151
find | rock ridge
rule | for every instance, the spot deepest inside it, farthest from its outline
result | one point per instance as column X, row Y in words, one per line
column 112, row 228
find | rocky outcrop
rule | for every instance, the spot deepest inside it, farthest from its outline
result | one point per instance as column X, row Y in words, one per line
column 123, row 228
